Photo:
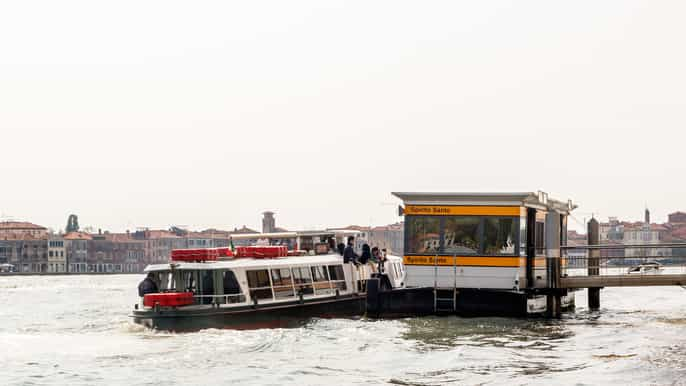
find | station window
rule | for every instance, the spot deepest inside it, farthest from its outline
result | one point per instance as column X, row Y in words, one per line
column 423, row 234
column 522, row 236
column 540, row 238
column 461, row 235
column 258, row 281
column 500, row 236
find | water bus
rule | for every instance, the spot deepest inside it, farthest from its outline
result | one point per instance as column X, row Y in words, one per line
column 259, row 286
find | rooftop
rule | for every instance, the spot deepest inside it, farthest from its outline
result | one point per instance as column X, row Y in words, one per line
column 78, row 236
column 20, row 225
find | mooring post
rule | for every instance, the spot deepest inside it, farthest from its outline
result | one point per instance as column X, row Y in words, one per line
column 373, row 304
column 552, row 242
column 593, row 262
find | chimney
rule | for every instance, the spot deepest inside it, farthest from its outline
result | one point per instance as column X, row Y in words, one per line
column 647, row 216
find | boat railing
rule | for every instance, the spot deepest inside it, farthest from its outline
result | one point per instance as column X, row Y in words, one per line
column 298, row 288
column 219, row 299
column 338, row 284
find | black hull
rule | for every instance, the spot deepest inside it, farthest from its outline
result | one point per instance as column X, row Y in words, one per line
column 410, row 302
column 290, row 314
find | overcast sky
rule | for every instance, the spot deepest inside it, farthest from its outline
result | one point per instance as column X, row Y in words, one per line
column 205, row 114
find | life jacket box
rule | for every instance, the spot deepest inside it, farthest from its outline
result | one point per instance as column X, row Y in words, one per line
column 225, row 252
column 168, row 299
column 201, row 254
column 262, row 251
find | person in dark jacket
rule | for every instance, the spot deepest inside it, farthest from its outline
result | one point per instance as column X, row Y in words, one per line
column 366, row 254
column 341, row 249
column 148, row 285
column 349, row 255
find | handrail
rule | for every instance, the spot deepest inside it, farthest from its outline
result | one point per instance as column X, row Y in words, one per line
column 241, row 297
column 625, row 246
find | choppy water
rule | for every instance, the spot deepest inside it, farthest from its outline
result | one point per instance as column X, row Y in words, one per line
column 75, row 331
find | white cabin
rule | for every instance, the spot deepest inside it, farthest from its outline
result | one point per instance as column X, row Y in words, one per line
column 243, row 281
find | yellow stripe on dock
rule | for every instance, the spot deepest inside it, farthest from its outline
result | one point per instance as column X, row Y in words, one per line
column 444, row 210
column 463, row 261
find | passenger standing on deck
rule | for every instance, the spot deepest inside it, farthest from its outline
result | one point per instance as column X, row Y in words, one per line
column 376, row 256
column 366, row 254
column 382, row 260
column 148, row 285
column 349, row 255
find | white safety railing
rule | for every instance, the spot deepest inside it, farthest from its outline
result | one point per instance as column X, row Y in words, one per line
column 624, row 259
column 220, row 299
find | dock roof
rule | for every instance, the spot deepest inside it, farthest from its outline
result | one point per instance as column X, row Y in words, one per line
column 537, row 200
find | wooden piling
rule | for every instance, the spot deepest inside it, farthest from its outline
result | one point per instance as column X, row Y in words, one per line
column 552, row 242
column 593, row 262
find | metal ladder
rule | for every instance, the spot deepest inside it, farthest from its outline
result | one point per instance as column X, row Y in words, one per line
column 440, row 299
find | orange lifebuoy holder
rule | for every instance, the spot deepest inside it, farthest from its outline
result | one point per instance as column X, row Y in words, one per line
column 168, row 299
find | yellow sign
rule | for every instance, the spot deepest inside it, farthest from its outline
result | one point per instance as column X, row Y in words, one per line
column 443, row 210
column 464, row 261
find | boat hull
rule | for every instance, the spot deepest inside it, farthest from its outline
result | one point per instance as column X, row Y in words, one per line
column 287, row 314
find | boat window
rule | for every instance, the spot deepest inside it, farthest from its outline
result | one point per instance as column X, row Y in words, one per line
column 319, row 273
column 321, row 280
column 423, row 234
column 283, row 283
column 500, row 235
column 258, row 281
column 189, row 281
column 337, row 277
column 231, row 286
column 461, row 235
column 162, row 280
column 207, row 286
column 303, row 280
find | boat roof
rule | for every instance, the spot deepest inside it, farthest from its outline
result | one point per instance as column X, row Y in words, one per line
column 329, row 259
column 250, row 263
column 292, row 235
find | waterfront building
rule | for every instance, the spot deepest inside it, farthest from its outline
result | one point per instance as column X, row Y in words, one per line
column 389, row 237
column 76, row 246
column 57, row 254
column 677, row 218
column 158, row 244
column 17, row 230
column 613, row 230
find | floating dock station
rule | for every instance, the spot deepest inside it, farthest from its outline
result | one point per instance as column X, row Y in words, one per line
column 479, row 253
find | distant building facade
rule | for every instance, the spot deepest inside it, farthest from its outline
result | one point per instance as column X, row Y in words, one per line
column 390, row 237
column 57, row 255
column 677, row 218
